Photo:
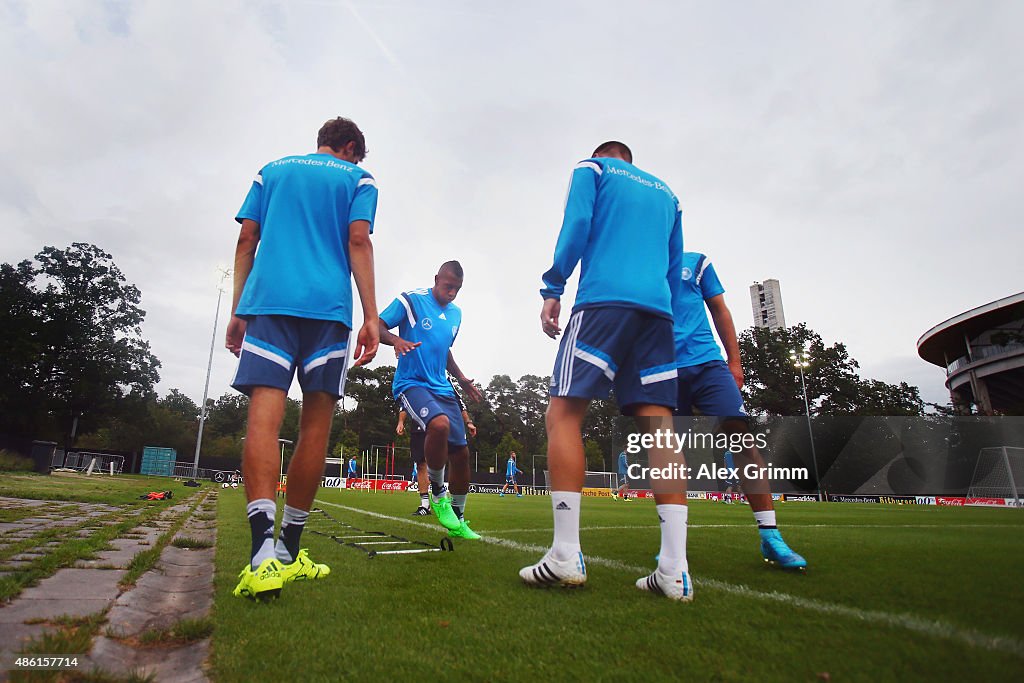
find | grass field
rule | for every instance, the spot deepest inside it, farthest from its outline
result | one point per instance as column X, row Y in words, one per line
column 892, row 593
column 123, row 490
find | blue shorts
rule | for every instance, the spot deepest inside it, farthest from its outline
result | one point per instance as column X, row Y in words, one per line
column 510, row 479
column 627, row 349
column 711, row 389
column 275, row 346
column 423, row 405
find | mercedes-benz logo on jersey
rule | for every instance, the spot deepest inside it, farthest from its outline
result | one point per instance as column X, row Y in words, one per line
column 426, row 323
column 424, row 411
column 687, row 273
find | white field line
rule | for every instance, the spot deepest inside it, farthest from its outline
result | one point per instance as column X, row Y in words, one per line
column 926, row 627
column 750, row 525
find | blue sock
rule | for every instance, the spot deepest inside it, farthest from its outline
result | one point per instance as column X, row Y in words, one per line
column 293, row 521
column 458, row 504
column 261, row 523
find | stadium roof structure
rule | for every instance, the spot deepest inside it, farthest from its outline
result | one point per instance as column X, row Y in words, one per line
column 982, row 351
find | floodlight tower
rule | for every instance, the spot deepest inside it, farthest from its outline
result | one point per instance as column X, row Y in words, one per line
column 225, row 273
column 801, row 360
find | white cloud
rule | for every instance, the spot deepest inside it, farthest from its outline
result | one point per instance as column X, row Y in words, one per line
column 868, row 156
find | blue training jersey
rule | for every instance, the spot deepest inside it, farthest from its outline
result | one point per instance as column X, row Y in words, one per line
column 510, row 468
column 304, row 205
column 695, row 343
column 623, row 462
column 420, row 318
column 625, row 226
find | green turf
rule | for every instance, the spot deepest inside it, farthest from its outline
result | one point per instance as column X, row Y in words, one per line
column 890, row 572
column 121, row 489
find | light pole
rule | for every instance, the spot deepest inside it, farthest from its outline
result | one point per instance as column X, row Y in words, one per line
column 280, row 475
column 225, row 273
column 801, row 360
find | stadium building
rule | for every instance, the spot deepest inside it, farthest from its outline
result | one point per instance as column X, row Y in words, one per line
column 982, row 351
column 766, row 302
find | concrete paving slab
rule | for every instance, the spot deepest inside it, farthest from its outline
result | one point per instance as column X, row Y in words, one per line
column 16, row 635
column 183, row 557
column 119, row 559
column 77, row 583
column 180, row 586
column 126, row 544
column 22, row 610
column 174, row 665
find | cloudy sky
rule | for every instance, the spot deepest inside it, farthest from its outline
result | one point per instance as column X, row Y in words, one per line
column 869, row 155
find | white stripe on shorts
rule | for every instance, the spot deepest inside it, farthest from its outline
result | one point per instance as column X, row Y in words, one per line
column 410, row 412
column 322, row 360
column 599, row 362
column 658, row 377
column 344, row 369
column 269, row 355
column 569, row 356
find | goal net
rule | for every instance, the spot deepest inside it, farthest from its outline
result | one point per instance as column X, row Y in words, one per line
column 999, row 473
column 608, row 481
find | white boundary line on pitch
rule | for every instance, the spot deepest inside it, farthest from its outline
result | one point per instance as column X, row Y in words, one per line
column 927, row 627
column 754, row 526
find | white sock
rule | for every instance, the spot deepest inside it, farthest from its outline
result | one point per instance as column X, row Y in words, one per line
column 765, row 519
column 565, row 505
column 436, row 478
column 672, row 559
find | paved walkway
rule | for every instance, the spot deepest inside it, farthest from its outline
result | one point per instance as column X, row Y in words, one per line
column 180, row 586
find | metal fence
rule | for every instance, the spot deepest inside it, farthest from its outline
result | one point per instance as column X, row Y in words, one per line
column 101, row 462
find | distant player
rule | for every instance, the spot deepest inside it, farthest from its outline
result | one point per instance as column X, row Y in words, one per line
column 416, row 439
column 428, row 322
column 353, row 468
column 623, row 490
column 618, row 219
column 303, row 215
column 712, row 386
column 511, row 470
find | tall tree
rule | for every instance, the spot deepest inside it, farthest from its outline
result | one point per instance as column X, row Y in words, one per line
column 89, row 353
column 21, row 323
column 228, row 416
column 880, row 398
column 375, row 413
column 180, row 405
column 833, row 385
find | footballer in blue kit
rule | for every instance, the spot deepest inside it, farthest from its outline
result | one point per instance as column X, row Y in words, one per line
column 511, row 470
column 622, row 492
column 310, row 217
column 417, row 439
column 711, row 386
column 624, row 226
column 428, row 323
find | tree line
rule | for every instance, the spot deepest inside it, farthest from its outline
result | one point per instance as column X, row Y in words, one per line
column 77, row 371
